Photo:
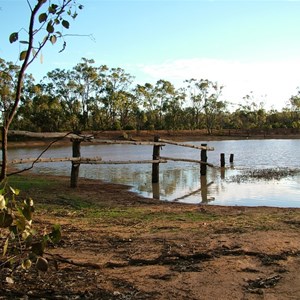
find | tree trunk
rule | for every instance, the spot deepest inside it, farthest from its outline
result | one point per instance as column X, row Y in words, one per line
column 4, row 153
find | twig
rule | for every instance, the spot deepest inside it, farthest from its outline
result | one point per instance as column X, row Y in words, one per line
column 72, row 262
column 33, row 163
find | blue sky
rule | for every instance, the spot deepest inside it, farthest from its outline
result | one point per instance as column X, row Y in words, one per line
column 244, row 45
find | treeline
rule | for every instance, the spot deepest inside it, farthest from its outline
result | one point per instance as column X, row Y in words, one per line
column 90, row 97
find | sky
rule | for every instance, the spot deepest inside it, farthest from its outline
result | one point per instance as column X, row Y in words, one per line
column 246, row 46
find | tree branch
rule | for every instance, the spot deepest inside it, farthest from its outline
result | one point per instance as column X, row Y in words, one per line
column 46, row 149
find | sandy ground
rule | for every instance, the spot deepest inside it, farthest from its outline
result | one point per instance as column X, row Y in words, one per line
column 129, row 247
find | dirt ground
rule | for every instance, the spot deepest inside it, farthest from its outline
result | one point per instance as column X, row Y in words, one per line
column 128, row 247
column 118, row 245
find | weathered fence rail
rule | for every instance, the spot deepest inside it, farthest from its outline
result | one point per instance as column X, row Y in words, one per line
column 187, row 145
column 81, row 160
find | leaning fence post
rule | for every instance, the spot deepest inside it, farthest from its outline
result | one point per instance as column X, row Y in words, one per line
column 75, row 165
column 156, row 156
column 203, row 158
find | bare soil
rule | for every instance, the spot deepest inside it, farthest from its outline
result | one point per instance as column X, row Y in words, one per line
column 118, row 245
column 128, row 247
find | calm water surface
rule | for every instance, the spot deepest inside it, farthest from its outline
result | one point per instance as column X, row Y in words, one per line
column 279, row 159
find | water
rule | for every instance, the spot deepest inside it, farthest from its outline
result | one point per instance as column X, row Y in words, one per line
column 276, row 162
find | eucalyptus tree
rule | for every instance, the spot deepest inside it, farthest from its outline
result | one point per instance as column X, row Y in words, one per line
column 116, row 96
column 89, row 83
column 46, row 114
column 204, row 97
column 294, row 107
column 213, row 107
column 8, row 78
column 174, row 112
column 147, row 103
column 59, row 83
column 164, row 93
column 78, row 90
column 45, row 17
column 251, row 113
column 195, row 95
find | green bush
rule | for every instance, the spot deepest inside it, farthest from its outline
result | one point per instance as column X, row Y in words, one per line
column 21, row 244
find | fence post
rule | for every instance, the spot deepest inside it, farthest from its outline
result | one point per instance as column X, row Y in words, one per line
column 222, row 159
column 231, row 158
column 155, row 166
column 203, row 157
column 75, row 166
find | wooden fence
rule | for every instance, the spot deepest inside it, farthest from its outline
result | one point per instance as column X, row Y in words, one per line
column 156, row 160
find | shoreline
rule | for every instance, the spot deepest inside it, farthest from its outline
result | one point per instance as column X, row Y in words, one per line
column 179, row 136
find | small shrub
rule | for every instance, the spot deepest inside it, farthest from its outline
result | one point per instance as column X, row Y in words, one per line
column 21, row 244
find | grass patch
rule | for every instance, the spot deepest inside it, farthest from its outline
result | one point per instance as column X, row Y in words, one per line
column 27, row 184
column 137, row 215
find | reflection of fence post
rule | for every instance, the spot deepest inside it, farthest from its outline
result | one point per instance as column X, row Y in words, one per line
column 155, row 166
column 203, row 157
column 156, row 190
column 75, row 165
column 222, row 159
column 203, row 186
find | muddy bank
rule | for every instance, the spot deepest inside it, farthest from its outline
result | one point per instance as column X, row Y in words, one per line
column 117, row 245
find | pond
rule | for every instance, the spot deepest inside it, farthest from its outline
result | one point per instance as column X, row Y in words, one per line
column 264, row 172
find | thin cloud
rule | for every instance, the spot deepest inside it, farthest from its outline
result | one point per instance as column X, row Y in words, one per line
column 273, row 81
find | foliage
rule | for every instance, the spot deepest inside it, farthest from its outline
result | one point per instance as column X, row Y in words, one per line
column 47, row 22
column 21, row 244
column 90, row 97
column 49, row 15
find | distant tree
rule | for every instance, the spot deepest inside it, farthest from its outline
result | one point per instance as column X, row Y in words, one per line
column 44, row 19
column 204, row 97
column 294, row 105
column 117, row 96
column 147, row 102
column 250, row 113
column 174, row 113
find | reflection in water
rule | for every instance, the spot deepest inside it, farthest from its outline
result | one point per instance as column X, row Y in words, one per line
column 182, row 181
column 203, row 181
column 222, row 170
column 156, row 190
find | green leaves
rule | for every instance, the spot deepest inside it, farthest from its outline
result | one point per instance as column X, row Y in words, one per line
column 13, row 37
column 55, row 235
column 42, row 17
column 56, row 15
column 38, row 248
column 50, row 27
column 28, row 209
column 21, row 240
column 66, row 24
column 26, row 264
column 23, row 55
column 53, row 9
